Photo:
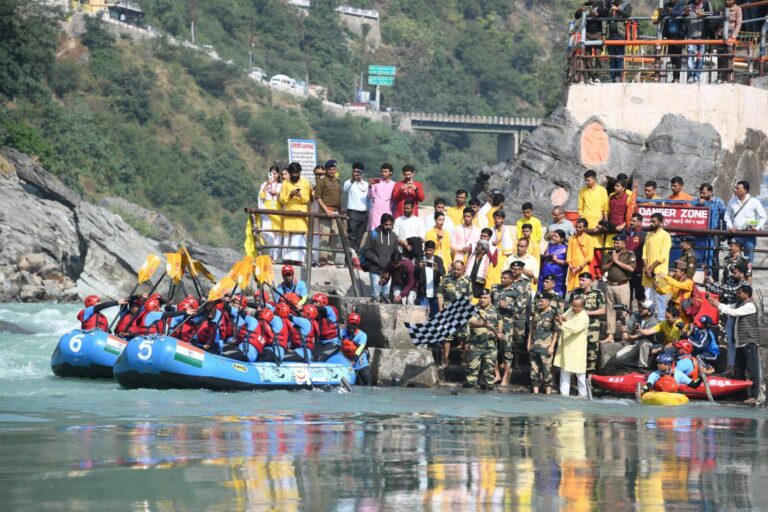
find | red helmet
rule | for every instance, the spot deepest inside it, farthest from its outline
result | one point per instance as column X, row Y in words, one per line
column 667, row 384
column 240, row 300
column 354, row 318
column 155, row 296
column 291, row 298
column 152, row 305
column 282, row 310
column 261, row 295
column 266, row 314
column 320, row 298
column 91, row 300
column 310, row 311
column 684, row 346
column 287, row 269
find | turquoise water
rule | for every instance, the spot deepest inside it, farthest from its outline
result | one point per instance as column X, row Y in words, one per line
column 90, row 445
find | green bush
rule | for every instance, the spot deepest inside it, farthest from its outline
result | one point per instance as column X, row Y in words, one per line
column 96, row 37
column 25, row 138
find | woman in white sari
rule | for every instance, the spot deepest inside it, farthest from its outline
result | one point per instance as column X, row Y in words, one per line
column 271, row 224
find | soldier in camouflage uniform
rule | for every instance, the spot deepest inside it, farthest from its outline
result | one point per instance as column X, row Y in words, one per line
column 485, row 327
column 595, row 308
column 548, row 286
column 511, row 299
column 453, row 287
column 541, row 343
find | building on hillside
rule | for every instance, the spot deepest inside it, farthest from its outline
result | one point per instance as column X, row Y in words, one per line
column 125, row 11
column 362, row 22
column 302, row 5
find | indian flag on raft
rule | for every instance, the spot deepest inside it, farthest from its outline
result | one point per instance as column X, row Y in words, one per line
column 114, row 345
column 188, row 354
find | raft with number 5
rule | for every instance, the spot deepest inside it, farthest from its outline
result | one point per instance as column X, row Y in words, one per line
column 163, row 362
column 663, row 398
column 89, row 354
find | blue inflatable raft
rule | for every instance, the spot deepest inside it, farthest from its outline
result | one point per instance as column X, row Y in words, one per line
column 163, row 362
column 90, row 354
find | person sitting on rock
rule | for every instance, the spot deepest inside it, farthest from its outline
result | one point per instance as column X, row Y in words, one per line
column 91, row 318
column 638, row 355
column 353, row 346
column 403, row 274
column 291, row 284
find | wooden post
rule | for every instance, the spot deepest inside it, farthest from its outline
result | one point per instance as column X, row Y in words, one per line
column 308, row 255
column 347, row 259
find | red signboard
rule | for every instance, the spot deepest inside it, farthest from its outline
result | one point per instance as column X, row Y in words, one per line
column 676, row 216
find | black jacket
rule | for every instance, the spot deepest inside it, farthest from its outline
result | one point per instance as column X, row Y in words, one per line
column 439, row 272
column 597, row 9
column 378, row 250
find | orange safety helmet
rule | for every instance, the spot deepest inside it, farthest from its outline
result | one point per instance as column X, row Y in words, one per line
column 684, row 346
column 354, row 318
column 320, row 298
column 291, row 298
column 91, row 300
column 667, row 384
column 152, row 305
column 282, row 310
column 266, row 314
column 287, row 269
column 310, row 311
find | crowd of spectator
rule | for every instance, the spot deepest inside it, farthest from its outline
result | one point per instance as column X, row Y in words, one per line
column 679, row 20
column 569, row 284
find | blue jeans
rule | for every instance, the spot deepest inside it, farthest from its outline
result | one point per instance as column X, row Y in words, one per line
column 379, row 292
column 748, row 246
column 695, row 60
column 730, row 323
column 616, row 61
column 432, row 303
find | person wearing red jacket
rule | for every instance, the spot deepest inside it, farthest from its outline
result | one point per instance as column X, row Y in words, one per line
column 407, row 189
column 90, row 316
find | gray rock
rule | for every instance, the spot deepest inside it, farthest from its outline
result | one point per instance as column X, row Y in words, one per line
column 405, row 367
column 32, row 262
column 384, row 323
column 162, row 228
column 38, row 180
column 32, row 293
column 607, row 352
column 13, row 328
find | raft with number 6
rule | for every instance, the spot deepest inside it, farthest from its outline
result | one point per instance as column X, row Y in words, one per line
column 89, row 354
column 663, row 398
column 627, row 385
column 164, row 362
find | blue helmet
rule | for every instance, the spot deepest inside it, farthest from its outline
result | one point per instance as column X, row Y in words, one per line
column 665, row 358
column 705, row 321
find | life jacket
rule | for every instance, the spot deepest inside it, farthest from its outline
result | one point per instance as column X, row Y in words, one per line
column 329, row 330
column 284, row 336
column 185, row 332
column 667, row 384
column 226, row 328
column 95, row 321
column 124, row 323
column 297, row 339
column 258, row 338
column 206, row 335
column 695, row 373
column 137, row 327
column 348, row 348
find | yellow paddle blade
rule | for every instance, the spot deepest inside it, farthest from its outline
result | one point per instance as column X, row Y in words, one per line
column 201, row 268
column 147, row 269
column 226, row 285
column 173, row 266
column 244, row 272
column 263, row 269
column 187, row 261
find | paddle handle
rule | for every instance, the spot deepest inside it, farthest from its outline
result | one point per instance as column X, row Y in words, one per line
column 122, row 308
column 704, row 379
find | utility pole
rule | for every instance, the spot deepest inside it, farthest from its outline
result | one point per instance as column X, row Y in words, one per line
column 192, row 25
column 250, row 47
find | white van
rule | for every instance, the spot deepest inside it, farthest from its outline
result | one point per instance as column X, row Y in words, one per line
column 283, row 82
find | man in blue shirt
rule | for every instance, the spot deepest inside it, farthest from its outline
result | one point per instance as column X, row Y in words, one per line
column 354, row 342
column 291, row 285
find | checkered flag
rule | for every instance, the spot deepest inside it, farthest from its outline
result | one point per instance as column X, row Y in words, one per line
column 443, row 325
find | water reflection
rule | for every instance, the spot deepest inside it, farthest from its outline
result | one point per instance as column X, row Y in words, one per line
column 572, row 461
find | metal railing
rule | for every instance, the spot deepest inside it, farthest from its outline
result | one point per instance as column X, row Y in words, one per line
column 653, row 58
column 309, row 247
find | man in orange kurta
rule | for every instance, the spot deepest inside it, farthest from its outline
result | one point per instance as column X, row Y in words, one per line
column 581, row 252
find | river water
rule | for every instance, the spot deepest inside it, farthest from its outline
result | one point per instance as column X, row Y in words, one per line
column 85, row 445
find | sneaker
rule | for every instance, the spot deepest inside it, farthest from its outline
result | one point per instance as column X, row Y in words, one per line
column 596, row 81
column 590, row 81
column 689, row 80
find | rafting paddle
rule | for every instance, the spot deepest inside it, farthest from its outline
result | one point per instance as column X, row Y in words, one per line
column 189, row 265
column 146, row 270
column 704, row 379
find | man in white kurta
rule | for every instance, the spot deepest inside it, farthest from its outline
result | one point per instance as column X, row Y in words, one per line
column 571, row 355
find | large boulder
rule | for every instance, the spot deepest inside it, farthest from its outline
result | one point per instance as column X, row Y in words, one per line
column 385, row 323
column 161, row 228
column 412, row 367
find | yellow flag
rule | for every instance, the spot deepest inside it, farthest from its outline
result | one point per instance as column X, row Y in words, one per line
column 173, row 266
column 250, row 240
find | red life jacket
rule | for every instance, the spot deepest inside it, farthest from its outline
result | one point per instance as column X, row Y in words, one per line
column 138, row 328
column 667, row 384
column 185, row 332
column 329, row 330
column 695, row 373
column 284, row 336
column 226, row 329
column 258, row 338
column 124, row 323
column 95, row 321
column 296, row 340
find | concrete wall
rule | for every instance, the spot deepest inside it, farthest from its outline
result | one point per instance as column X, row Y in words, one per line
column 355, row 24
column 730, row 109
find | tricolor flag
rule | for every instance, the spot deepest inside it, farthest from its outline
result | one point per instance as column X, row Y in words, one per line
column 114, row 345
column 188, row 354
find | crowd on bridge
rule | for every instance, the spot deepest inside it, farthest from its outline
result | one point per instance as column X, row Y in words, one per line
column 678, row 20
column 551, row 292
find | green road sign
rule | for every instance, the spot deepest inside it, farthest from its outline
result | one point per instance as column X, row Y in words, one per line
column 382, row 70
column 381, row 80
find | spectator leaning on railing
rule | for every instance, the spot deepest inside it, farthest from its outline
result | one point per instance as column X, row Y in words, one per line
column 619, row 11
column 697, row 11
column 594, row 9
column 673, row 28
column 725, row 62
column 745, row 212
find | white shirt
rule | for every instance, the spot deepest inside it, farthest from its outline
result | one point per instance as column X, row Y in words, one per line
column 429, row 285
column 751, row 216
column 429, row 223
column 357, row 195
column 408, row 227
column 565, row 225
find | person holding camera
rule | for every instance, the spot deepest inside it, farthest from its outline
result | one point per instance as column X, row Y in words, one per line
column 736, row 278
column 673, row 28
column 594, row 9
column 619, row 11
column 594, row 304
column 618, row 265
column 295, row 195
column 431, row 270
column 638, row 354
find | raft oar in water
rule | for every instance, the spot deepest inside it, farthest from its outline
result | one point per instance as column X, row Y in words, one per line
column 704, row 379
column 146, row 270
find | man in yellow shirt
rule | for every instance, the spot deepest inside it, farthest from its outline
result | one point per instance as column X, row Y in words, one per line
column 593, row 204
column 536, row 232
column 680, row 287
column 295, row 196
column 658, row 243
column 441, row 237
column 497, row 204
column 456, row 213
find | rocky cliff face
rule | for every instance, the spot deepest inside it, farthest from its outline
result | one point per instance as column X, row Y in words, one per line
column 55, row 246
column 553, row 159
